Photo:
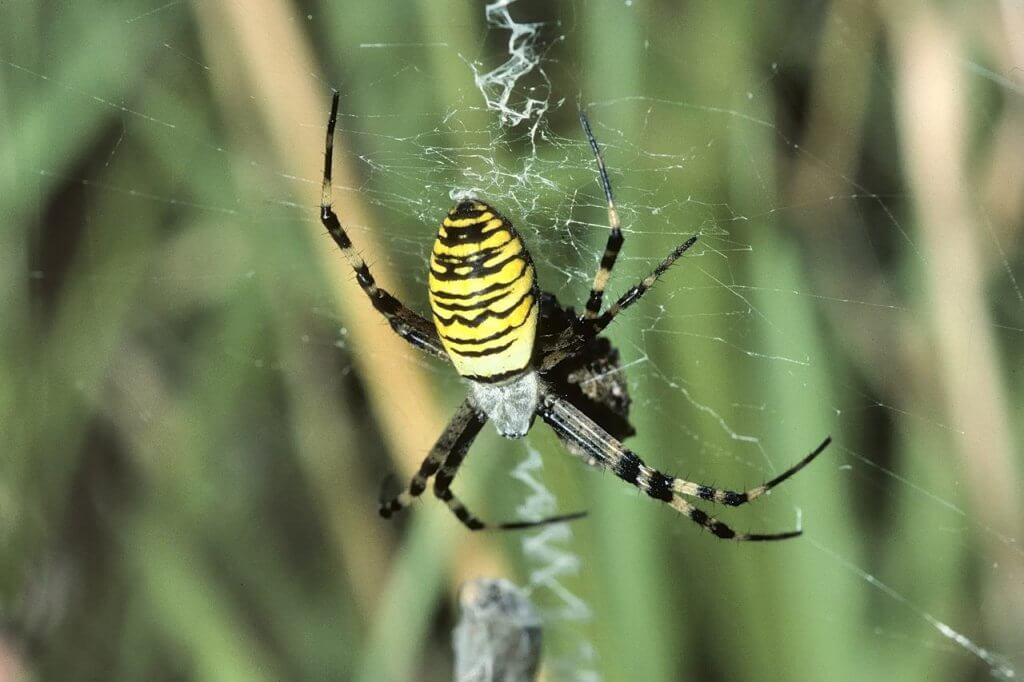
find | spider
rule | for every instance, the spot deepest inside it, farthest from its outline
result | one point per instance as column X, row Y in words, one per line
column 525, row 355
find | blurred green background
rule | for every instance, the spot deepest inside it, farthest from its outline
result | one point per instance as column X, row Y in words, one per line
column 198, row 405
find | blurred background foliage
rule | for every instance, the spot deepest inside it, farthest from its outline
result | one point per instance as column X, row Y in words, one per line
column 198, row 405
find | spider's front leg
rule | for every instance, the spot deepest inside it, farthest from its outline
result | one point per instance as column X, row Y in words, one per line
column 444, row 460
column 456, row 438
column 443, row 491
column 584, row 438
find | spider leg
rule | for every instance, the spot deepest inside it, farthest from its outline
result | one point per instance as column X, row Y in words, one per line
column 457, row 436
column 442, row 488
column 733, row 498
column 444, row 460
column 412, row 327
column 584, row 438
column 615, row 239
column 636, row 291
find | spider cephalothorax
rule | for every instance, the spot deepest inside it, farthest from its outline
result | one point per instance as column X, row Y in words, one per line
column 525, row 355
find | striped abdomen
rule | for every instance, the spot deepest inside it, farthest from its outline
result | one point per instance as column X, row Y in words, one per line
column 483, row 293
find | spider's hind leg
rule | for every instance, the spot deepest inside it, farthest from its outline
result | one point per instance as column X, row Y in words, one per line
column 592, row 311
column 615, row 238
column 634, row 293
column 411, row 326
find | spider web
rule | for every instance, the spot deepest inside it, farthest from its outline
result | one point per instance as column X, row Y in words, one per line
column 552, row 192
column 731, row 357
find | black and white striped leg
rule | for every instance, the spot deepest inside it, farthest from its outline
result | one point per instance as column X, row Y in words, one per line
column 462, row 429
column 443, row 491
column 734, row 498
column 412, row 327
column 583, row 437
column 615, row 239
column 634, row 293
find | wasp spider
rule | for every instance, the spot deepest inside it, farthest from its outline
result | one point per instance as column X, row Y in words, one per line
column 525, row 355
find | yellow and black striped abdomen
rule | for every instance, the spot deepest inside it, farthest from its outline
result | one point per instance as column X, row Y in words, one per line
column 483, row 293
